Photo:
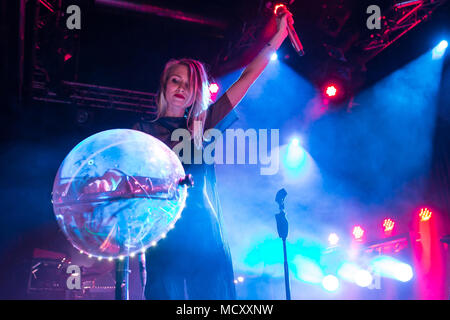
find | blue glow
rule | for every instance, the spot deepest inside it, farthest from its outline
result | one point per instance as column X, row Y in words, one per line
column 295, row 156
column 378, row 136
column 392, row 268
column 442, row 45
column 439, row 50
column 353, row 273
column 266, row 256
column 344, row 155
column 307, row 270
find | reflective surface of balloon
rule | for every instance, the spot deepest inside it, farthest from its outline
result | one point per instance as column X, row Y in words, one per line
column 117, row 192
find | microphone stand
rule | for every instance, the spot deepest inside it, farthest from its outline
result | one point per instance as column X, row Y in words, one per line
column 283, row 229
column 123, row 265
column 122, row 279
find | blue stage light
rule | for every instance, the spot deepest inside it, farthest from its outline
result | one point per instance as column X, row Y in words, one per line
column 353, row 273
column 307, row 269
column 392, row 268
column 439, row 50
column 274, row 56
column 295, row 154
column 442, row 45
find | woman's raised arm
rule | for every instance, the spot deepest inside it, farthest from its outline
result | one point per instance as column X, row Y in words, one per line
column 238, row 90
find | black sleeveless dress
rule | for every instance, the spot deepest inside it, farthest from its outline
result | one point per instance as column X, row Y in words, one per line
column 193, row 261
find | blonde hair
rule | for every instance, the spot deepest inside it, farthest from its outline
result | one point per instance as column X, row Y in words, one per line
column 199, row 100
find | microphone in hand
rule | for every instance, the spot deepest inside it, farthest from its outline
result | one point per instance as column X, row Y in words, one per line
column 280, row 10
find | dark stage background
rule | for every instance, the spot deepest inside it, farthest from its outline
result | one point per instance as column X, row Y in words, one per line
column 381, row 151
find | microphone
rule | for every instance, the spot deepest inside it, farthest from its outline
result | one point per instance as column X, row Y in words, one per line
column 295, row 41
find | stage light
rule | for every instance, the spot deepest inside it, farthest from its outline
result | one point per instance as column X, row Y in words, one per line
column 403, row 272
column 295, row 142
column 358, row 232
column 274, row 56
column 240, row 279
column 213, row 88
column 425, row 214
column 392, row 268
column 351, row 272
column 330, row 283
column 363, row 278
column 442, row 45
column 439, row 50
column 331, row 91
column 295, row 154
column 67, row 56
column 388, row 225
column 333, row 239
column 280, row 5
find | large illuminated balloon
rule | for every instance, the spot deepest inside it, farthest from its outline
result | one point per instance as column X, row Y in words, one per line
column 118, row 192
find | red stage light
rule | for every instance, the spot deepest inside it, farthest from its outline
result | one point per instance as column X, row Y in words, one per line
column 388, row 225
column 331, row 91
column 425, row 214
column 277, row 7
column 67, row 56
column 358, row 232
column 213, row 88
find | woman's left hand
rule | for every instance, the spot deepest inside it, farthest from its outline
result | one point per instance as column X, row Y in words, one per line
column 283, row 20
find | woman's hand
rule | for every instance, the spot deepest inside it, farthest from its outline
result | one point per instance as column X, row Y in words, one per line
column 283, row 20
column 238, row 90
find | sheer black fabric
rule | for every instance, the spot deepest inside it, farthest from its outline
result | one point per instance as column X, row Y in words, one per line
column 193, row 261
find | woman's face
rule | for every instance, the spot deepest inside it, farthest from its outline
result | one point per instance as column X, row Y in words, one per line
column 178, row 91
